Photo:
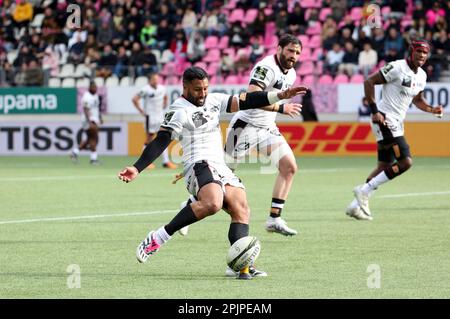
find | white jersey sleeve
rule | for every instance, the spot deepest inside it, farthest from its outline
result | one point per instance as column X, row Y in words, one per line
column 175, row 120
column 222, row 100
column 391, row 71
column 263, row 74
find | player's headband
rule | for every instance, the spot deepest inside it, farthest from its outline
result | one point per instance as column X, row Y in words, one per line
column 419, row 44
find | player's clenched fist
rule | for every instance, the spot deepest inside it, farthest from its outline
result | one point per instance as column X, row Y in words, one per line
column 128, row 174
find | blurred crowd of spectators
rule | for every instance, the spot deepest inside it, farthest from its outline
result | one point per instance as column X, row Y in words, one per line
column 121, row 37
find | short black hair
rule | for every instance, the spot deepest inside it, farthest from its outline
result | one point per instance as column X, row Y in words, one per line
column 194, row 73
column 151, row 74
column 287, row 39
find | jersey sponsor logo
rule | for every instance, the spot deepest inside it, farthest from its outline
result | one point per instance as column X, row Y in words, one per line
column 260, row 73
column 387, row 68
column 407, row 81
column 199, row 119
column 278, row 85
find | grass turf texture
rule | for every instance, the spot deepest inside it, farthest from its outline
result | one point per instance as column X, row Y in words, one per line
column 408, row 238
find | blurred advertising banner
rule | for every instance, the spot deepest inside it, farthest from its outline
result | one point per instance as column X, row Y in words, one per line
column 350, row 96
column 38, row 100
column 58, row 138
column 333, row 138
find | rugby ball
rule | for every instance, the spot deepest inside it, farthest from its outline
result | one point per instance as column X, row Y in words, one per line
column 243, row 253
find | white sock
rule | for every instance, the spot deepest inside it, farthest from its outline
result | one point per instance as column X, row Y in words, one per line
column 76, row 150
column 165, row 155
column 93, row 156
column 373, row 184
column 161, row 235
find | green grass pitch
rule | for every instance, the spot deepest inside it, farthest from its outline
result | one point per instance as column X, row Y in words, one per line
column 54, row 214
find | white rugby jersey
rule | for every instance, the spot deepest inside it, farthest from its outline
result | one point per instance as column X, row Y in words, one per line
column 92, row 102
column 269, row 73
column 197, row 128
column 401, row 87
column 153, row 99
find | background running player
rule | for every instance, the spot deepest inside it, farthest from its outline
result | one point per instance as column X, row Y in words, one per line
column 92, row 119
column 403, row 82
column 154, row 97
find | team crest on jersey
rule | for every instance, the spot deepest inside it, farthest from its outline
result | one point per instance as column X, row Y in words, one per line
column 198, row 119
column 407, row 81
column 260, row 73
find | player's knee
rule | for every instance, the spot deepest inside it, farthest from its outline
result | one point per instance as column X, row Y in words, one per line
column 288, row 169
column 212, row 206
column 406, row 164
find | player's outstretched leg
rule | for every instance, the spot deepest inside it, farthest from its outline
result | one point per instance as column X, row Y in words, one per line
column 287, row 168
column 236, row 205
column 184, row 231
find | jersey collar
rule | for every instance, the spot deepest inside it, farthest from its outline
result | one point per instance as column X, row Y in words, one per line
column 279, row 65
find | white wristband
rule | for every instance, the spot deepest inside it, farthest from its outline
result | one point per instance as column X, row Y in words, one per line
column 273, row 97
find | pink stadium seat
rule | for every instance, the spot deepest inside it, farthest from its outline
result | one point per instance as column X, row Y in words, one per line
column 317, row 54
column 356, row 13
column 385, row 11
column 169, row 68
column 201, row 64
column 324, row 13
column 341, row 78
column 270, row 41
column 213, row 68
column 236, row 15
column 298, row 81
column 304, row 39
column 211, row 42
column 213, row 55
column 250, row 16
column 319, row 68
column 232, row 79
column 325, row 79
column 309, row 3
column 270, row 29
column 315, row 41
column 308, row 80
column 306, row 68
column 308, row 13
column 306, row 55
column 172, row 80
column 268, row 11
column 357, row 78
column 231, row 4
column 315, row 29
column 223, row 43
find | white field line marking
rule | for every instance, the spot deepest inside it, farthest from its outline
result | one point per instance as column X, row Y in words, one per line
column 255, row 171
column 52, row 219
column 415, row 194
column 112, row 176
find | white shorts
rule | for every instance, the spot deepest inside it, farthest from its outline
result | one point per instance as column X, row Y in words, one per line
column 393, row 128
column 203, row 173
column 86, row 124
column 153, row 123
column 243, row 137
